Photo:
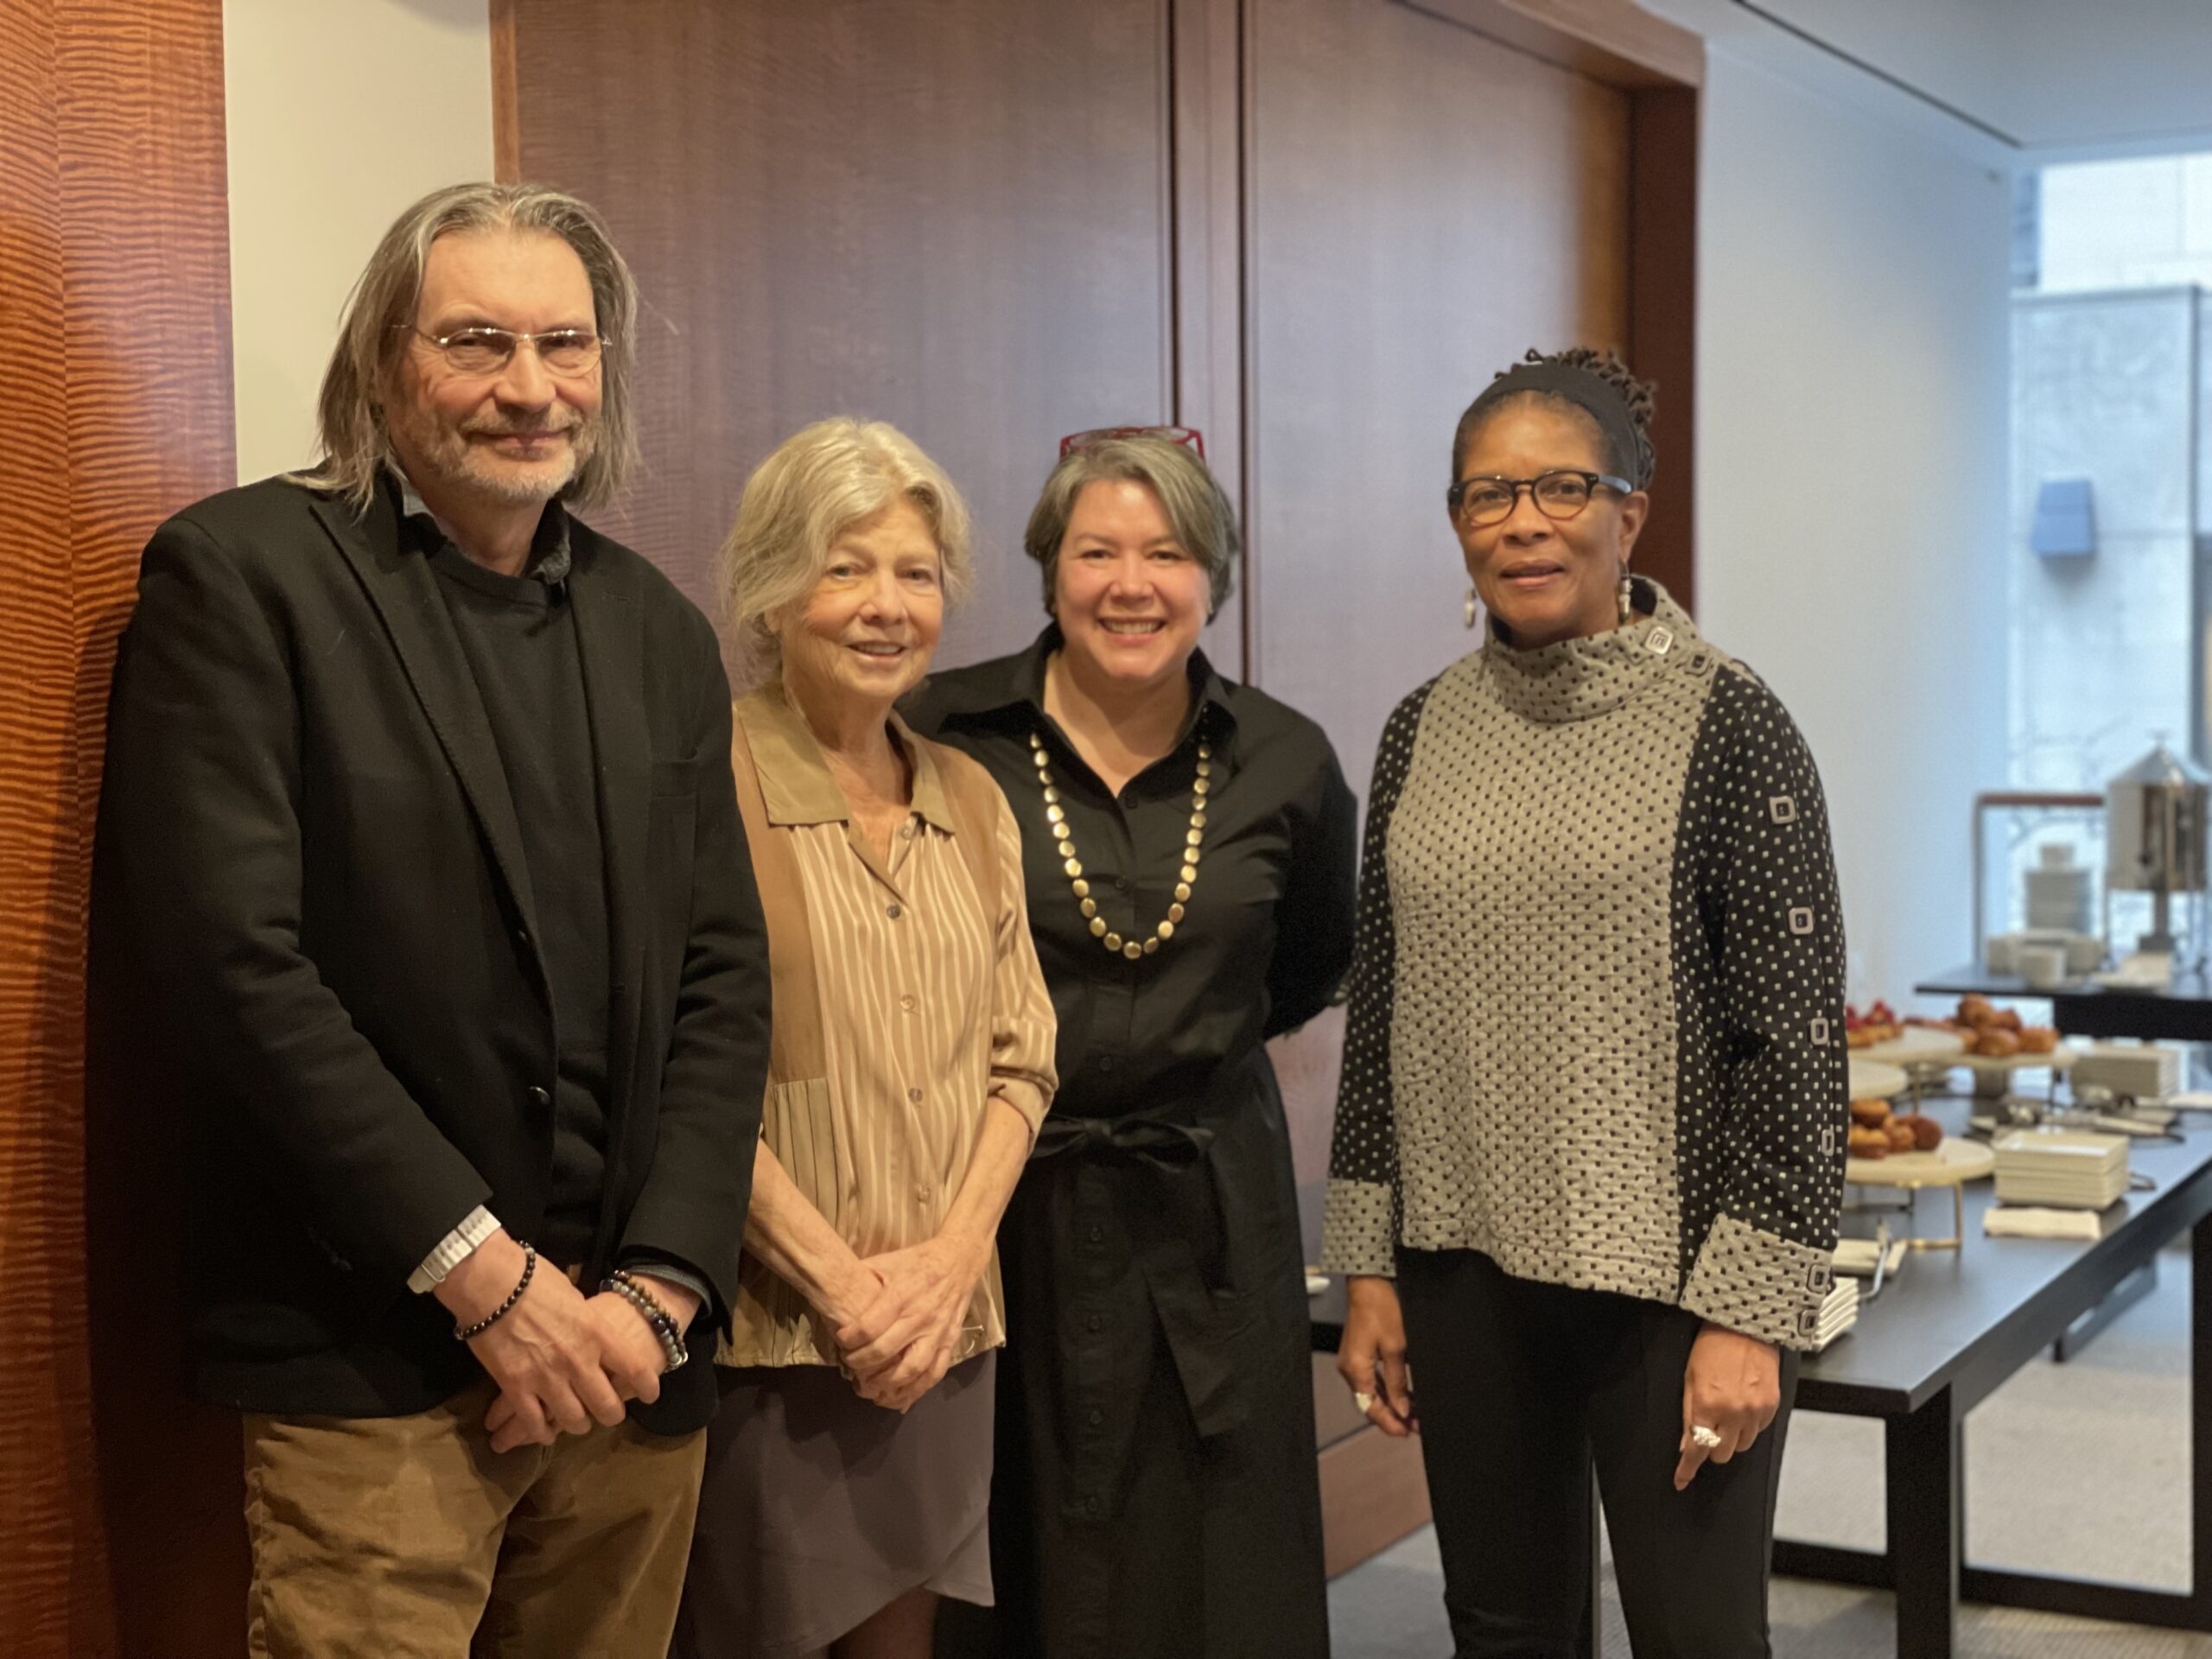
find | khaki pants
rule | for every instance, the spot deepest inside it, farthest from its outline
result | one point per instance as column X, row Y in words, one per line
column 410, row 1538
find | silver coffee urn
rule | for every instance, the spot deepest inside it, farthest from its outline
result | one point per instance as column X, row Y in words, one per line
column 2155, row 821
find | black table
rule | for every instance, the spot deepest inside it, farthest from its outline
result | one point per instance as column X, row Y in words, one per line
column 2179, row 1013
column 1941, row 1337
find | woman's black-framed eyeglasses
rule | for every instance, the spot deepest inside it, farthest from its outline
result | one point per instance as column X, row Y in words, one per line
column 1560, row 495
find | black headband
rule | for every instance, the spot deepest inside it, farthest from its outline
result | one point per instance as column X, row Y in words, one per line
column 1597, row 397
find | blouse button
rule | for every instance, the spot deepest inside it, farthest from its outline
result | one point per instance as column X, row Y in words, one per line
column 907, row 1002
column 914, row 1095
column 921, row 1191
column 893, row 912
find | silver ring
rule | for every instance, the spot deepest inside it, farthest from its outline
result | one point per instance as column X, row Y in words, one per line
column 1707, row 1437
column 1363, row 1400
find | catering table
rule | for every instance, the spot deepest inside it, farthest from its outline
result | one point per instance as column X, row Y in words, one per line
column 1941, row 1337
column 2181, row 1012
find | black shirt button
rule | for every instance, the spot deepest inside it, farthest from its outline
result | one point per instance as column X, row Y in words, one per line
column 1105, row 1062
column 1095, row 1417
column 1121, row 883
column 1091, row 1504
column 1094, row 1322
column 539, row 1097
column 1097, row 1235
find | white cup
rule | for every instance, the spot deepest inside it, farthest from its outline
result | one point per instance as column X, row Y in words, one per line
column 2043, row 966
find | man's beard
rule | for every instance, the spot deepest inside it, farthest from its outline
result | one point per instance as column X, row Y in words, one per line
column 446, row 450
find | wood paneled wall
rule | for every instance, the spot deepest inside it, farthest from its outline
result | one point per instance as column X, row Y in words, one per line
column 960, row 218
column 1314, row 228
column 1426, row 205
column 115, row 333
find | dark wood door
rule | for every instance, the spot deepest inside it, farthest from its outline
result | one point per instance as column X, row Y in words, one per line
column 1424, row 205
column 958, row 218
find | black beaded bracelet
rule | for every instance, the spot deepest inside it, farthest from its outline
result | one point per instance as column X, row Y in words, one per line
column 529, row 1267
column 649, row 1306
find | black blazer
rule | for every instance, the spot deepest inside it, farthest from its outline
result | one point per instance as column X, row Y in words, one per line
column 309, row 841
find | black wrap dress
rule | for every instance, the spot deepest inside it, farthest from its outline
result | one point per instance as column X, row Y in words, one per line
column 1155, row 1490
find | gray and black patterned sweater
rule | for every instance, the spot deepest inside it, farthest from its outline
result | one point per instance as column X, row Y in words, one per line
column 1596, row 1028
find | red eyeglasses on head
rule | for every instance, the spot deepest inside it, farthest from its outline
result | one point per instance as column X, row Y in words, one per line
column 1188, row 436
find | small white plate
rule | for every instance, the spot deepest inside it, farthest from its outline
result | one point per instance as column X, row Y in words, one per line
column 1872, row 1080
column 1920, row 1045
column 2061, row 1059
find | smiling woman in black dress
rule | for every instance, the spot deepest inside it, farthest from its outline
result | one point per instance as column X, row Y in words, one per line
column 1188, row 844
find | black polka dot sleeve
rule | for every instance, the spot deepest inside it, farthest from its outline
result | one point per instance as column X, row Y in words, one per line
column 1769, row 925
column 1360, row 1232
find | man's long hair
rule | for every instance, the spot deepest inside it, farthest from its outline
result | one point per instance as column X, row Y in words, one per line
column 350, row 416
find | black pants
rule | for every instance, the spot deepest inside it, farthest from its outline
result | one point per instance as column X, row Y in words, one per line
column 1519, row 1387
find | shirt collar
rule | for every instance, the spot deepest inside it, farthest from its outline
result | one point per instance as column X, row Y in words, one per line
column 1017, row 683
column 551, row 556
column 795, row 784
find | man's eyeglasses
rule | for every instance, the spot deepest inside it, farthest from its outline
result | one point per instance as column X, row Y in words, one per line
column 1187, row 436
column 566, row 352
column 1559, row 495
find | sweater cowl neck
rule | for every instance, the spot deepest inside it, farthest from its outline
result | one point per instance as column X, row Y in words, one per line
column 1581, row 679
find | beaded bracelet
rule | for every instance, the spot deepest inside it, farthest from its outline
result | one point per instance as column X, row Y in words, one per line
column 649, row 1305
column 529, row 1267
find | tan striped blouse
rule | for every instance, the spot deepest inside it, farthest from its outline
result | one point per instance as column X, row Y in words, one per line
column 927, row 1007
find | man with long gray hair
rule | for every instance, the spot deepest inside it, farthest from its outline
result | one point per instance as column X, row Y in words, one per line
column 418, row 812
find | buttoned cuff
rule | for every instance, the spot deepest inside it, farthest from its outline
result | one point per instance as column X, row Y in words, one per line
column 456, row 1247
column 1759, row 1283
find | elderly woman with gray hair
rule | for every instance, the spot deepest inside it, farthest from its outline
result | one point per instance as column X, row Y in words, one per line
column 848, row 1470
column 1188, row 844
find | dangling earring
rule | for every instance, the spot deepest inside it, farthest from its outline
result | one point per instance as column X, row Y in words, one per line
column 1627, row 602
column 1472, row 609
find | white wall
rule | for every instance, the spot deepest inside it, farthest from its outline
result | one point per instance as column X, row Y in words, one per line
column 2063, row 77
column 340, row 113
column 1853, row 400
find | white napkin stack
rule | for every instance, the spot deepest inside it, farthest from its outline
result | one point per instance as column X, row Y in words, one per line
column 1860, row 1257
column 2146, row 1070
column 2012, row 1221
column 2071, row 1169
column 1839, row 1312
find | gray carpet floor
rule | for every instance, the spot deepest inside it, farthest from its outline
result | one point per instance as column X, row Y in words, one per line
column 2080, row 1468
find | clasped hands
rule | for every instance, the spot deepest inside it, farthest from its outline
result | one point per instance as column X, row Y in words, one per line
column 897, row 1317
column 563, row 1361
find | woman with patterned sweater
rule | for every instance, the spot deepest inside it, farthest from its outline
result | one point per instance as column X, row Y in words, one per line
column 1590, row 1142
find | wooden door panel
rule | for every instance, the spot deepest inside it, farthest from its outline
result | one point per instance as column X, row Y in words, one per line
column 953, row 217
column 1425, row 205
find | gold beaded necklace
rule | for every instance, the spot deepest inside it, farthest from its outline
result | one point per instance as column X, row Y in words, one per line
column 1057, row 815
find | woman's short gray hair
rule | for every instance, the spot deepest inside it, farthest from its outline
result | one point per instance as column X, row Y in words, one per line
column 818, row 483
column 356, row 445
column 1199, row 514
